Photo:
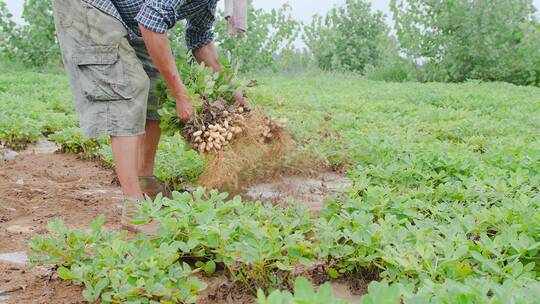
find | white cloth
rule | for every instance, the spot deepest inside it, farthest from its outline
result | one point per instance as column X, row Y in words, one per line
column 236, row 16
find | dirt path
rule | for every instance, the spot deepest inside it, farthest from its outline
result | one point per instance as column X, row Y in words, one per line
column 38, row 186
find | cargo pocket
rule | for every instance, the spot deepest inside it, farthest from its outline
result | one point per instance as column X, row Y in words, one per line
column 101, row 73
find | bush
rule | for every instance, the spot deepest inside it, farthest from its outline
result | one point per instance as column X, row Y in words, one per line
column 351, row 37
column 72, row 141
column 463, row 39
column 6, row 29
column 33, row 43
column 393, row 69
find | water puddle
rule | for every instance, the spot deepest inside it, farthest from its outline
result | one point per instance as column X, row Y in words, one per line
column 19, row 229
column 309, row 190
column 3, row 298
column 14, row 257
column 100, row 191
column 42, row 146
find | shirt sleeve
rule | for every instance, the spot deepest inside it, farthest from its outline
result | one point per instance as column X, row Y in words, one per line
column 199, row 27
column 158, row 15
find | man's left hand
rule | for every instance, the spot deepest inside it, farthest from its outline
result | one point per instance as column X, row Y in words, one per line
column 241, row 100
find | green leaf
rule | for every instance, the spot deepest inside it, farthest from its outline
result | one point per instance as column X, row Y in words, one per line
column 210, row 267
column 64, row 273
column 333, row 273
column 303, row 290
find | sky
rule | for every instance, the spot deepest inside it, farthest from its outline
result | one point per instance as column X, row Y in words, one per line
column 301, row 9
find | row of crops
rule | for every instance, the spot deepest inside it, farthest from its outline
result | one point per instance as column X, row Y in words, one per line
column 444, row 207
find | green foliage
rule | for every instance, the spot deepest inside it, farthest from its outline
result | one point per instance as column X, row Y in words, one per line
column 202, row 83
column 253, row 241
column 461, row 39
column 350, row 37
column 7, row 26
column 34, row 42
column 177, row 163
column 481, row 291
column 268, row 33
column 381, row 293
column 304, row 293
column 115, row 270
column 17, row 131
column 31, row 106
column 72, row 141
column 442, row 208
column 293, row 60
column 393, row 69
column 436, row 168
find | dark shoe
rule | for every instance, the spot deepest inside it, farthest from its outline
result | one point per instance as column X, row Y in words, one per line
column 152, row 186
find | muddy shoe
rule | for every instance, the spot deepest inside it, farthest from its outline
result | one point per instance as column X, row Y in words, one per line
column 152, row 186
column 129, row 210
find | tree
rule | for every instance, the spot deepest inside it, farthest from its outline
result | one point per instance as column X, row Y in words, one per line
column 471, row 39
column 268, row 33
column 38, row 40
column 33, row 43
column 350, row 37
column 7, row 27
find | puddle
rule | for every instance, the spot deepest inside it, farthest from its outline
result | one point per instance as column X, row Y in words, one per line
column 342, row 292
column 42, row 146
column 100, row 191
column 309, row 190
column 14, row 257
column 18, row 229
column 3, row 299
column 10, row 155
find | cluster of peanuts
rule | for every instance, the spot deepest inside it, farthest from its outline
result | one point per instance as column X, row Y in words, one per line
column 214, row 137
column 270, row 126
column 222, row 126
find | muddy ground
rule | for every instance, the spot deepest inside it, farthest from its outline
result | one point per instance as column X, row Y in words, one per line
column 39, row 185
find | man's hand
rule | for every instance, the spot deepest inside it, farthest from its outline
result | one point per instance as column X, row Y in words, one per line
column 184, row 109
column 241, row 100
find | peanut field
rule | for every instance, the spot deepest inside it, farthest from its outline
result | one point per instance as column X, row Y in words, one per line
column 444, row 205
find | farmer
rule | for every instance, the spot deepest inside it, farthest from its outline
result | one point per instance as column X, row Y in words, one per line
column 113, row 53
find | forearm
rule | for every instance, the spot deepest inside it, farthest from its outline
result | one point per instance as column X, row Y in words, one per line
column 208, row 54
column 160, row 51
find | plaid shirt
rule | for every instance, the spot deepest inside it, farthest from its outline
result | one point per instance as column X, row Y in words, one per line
column 161, row 15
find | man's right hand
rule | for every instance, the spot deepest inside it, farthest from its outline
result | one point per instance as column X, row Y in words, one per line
column 184, row 109
column 160, row 51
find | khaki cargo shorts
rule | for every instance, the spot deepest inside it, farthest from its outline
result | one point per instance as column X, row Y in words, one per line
column 112, row 76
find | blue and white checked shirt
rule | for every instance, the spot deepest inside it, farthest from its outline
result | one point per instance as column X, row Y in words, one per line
column 161, row 15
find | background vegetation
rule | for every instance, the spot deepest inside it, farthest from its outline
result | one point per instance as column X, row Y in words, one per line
column 462, row 39
column 432, row 40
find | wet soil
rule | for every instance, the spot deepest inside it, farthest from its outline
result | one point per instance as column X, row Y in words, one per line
column 38, row 186
column 309, row 190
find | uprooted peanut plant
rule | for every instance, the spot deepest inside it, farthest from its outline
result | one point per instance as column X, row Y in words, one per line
column 235, row 137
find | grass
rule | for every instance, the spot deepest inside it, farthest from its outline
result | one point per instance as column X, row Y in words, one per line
column 446, row 177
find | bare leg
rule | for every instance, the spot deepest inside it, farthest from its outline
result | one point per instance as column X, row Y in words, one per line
column 148, row 147
column 126, row 155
